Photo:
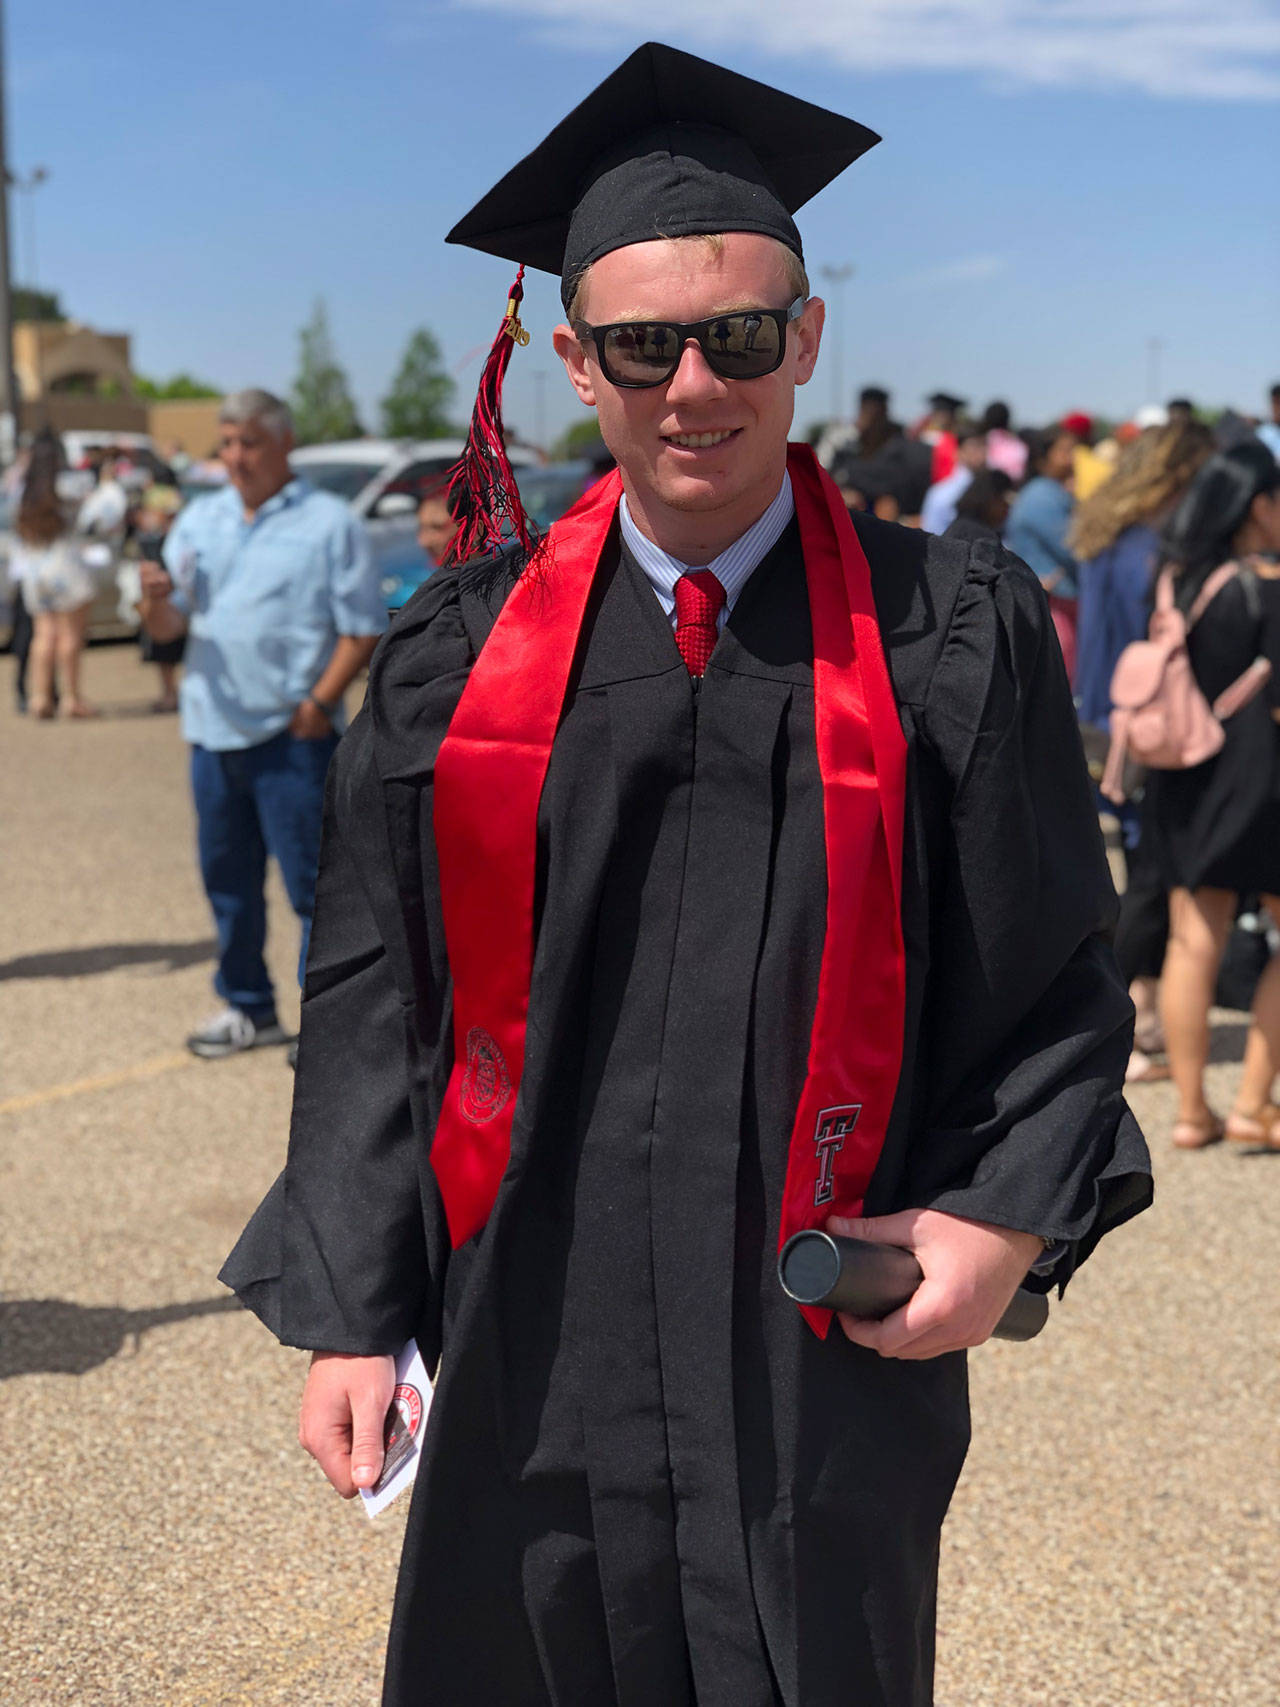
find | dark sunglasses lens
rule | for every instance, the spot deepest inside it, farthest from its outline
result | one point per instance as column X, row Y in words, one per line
column 742, row 346
column 737, row 346
column 641, row 354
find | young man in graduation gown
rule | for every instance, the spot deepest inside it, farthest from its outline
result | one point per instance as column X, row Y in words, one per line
column 725, row 869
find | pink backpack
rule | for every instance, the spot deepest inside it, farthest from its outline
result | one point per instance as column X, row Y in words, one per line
column 1160, row 716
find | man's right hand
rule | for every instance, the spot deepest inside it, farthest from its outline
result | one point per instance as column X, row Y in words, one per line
column 157, row 583
column 344, row 1409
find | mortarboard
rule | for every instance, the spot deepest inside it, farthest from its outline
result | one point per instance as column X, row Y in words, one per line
column 944, row 400
column 669, row 145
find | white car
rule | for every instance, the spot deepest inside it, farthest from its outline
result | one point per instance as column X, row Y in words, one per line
column 383, row 481
column 79, row 443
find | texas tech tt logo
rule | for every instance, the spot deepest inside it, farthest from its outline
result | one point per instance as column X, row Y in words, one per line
column 834, row 1126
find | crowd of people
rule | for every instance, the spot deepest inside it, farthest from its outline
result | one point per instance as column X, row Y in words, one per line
column 1096, row 514
column 74, row 530
column 973, row 476
column 1099, row 517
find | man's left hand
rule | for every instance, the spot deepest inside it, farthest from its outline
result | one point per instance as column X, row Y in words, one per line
column 971, row 1271
column 310, row 723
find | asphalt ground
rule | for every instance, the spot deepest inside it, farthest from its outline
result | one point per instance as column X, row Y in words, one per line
column 164, row 1541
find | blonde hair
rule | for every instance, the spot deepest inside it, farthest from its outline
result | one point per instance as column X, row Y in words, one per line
column 1150, row 475
column 796, row 276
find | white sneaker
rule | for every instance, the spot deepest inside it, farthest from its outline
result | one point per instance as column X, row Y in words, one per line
column 231, row 1032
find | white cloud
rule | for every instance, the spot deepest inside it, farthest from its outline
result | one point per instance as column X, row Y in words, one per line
column 965, row 269
column 1226, row 51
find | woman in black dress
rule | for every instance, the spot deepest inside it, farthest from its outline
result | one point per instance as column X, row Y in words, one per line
column 1216, row 827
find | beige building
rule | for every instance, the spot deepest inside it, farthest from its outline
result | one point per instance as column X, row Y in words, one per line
column 73, row 378
column 187, row 424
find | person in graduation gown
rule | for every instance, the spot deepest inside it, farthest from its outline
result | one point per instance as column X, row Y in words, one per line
column 646, row 1477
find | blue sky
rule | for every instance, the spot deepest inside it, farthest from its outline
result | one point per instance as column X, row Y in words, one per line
column 1060, row 182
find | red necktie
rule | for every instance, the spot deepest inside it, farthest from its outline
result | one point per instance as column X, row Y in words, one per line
column 699, row 599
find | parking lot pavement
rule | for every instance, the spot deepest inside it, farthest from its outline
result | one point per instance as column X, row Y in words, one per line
column 166, row 1543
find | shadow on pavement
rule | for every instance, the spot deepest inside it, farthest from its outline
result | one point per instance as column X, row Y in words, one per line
column 49, row 1336
column 118, row 711
column 106, row 957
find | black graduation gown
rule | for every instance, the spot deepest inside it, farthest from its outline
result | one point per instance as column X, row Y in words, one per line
column 645, row 1480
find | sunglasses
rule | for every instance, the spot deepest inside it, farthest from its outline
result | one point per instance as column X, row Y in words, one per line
column 746, row 344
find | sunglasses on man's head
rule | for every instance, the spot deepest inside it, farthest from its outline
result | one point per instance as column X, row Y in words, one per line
column 746, row 344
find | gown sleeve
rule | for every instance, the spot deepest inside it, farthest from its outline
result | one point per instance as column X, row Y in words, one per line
column 349, row 1248
column 1028, row 1024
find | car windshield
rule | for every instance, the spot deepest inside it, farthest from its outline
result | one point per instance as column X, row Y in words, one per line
column 547, row 492
column 343, row 479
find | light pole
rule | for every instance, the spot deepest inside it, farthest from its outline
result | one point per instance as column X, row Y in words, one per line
column 9, row 404
column 837, row 277
column 28, row 186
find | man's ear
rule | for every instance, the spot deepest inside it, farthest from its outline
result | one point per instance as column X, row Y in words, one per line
column 809, row 338
column 574, row 357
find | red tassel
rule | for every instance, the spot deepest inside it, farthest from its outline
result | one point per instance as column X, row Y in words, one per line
column 483, row 495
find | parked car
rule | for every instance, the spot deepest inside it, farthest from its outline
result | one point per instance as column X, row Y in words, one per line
column 547, row 492
column 383, row 480
column 79, row 444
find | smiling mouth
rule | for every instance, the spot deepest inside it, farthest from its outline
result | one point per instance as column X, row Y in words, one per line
column 700, row 441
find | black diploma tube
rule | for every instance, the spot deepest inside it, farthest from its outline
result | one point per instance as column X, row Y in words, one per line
column 873, row 1281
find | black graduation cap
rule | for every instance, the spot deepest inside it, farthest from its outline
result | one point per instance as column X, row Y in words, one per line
column 944, row 400
column 669, row 145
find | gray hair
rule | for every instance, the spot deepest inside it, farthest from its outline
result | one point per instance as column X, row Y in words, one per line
column 254, row 404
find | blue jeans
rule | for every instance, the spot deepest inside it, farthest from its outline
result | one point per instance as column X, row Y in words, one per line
column 250, row 803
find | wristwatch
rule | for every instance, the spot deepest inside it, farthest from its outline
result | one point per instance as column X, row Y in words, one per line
column 328, row 707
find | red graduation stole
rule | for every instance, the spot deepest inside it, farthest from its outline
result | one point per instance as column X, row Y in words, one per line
column 488, row 781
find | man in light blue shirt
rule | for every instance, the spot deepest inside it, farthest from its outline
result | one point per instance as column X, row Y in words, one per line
column 274, row 585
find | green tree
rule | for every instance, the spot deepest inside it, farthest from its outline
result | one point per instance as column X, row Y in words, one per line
column 417, row 405
column 179, row 389
column 323, row 409
column 28, row 304
column 581, row 439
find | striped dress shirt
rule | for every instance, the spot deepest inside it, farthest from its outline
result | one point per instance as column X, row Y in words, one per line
column 733, row 568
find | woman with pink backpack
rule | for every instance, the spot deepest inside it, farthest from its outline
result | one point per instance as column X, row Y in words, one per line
column 1115, row 538
column 1215, row 825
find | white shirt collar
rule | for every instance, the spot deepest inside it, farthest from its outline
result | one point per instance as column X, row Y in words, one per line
column 732, row 568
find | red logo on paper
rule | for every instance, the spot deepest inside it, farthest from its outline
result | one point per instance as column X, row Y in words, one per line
column 408, row 1401
column 486, row 1084
column 404, row 1418
column 834, row 1126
